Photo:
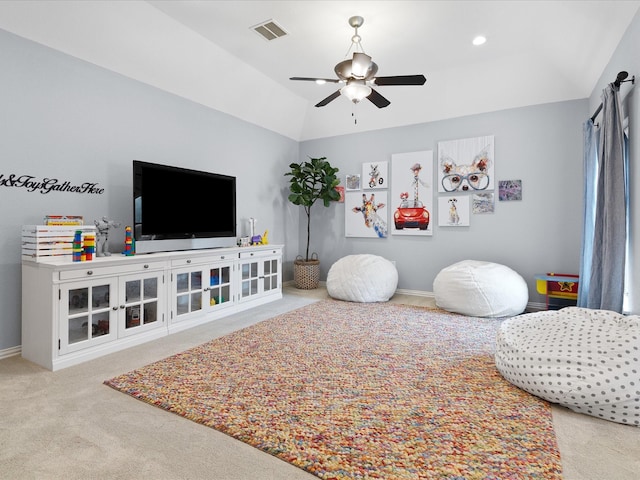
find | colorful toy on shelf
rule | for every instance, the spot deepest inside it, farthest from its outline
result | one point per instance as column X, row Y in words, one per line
column 129, row 249
column 260, row 239
column 89, row 246
column 76, row 251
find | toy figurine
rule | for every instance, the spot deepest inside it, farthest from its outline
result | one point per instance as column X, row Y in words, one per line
column 129, row 248
column 103, row 225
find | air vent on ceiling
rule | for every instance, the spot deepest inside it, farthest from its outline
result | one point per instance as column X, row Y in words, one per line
column 269, row 30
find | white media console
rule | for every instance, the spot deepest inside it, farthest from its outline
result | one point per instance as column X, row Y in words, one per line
column 77, row 311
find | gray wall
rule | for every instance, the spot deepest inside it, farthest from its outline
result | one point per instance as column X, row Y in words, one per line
column 626, row 59
column 540, row 145
column 67, row 119
column 70, row 120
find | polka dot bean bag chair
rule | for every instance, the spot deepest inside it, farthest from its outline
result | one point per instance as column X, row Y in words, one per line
column 362, row 278
column 587, row 360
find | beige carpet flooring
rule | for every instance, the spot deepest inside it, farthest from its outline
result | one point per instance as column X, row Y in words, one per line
column 68, row 425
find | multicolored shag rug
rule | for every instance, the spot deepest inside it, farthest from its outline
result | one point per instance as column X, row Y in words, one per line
column 362, row 390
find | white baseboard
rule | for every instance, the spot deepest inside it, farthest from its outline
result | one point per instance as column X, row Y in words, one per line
column 531, row 306
column 536, row 306
column 416, row 293
column 10, row 352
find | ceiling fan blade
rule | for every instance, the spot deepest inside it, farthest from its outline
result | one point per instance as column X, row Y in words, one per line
column 401, row 80
column 378, row 100
column 308, row 79
column 330, row 98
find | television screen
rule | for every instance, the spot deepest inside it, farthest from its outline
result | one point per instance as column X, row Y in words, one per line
column 174, row 203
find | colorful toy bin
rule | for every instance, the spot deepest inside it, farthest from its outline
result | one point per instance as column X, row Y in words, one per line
column 559, row 289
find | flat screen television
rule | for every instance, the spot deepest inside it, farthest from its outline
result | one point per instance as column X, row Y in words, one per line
column 177, row 208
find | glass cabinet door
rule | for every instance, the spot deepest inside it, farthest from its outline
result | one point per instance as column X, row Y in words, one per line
column 249, row 279
column 188, row 293
column 220, row 291
column 270, row 275
column 86, row 316
column 259, row 276
column 140, row 303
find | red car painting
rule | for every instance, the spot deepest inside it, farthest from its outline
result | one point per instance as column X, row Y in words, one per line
column 411, row 217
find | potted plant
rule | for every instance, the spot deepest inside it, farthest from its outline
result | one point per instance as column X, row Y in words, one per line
column 310, row 181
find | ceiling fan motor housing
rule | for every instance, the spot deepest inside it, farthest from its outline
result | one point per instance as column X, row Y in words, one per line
column 345, row 69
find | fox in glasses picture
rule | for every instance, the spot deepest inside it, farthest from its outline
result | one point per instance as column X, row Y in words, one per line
column 466, row 165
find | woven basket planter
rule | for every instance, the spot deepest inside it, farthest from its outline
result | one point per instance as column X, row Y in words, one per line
column 306, row 273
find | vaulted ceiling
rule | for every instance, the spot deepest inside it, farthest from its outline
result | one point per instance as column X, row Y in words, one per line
column 208, row 52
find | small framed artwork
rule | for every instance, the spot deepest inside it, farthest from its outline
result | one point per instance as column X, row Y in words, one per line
column 509, row 190
column 482, row 203
column 453, row 211
column 353, row 182
column 375, row 175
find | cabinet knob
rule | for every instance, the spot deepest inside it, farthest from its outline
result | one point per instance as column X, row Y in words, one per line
column 146, row 266
column 89, row 272
column 122, row 307
column 222, row 257
column 188, row 261
column 251, row 254
column 115, row 308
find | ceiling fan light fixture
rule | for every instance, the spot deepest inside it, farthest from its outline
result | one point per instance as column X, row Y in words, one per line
column 356, row 91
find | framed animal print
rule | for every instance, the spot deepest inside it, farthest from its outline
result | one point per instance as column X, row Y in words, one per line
column 466, row 165
column 365, row 214
column 374, row 175
column 411, row 204
column 453, row 211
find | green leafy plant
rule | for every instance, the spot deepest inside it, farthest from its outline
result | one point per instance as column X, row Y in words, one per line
column 311, row 181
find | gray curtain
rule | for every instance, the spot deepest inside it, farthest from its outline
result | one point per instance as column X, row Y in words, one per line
column 605, row 275
column 590, row 168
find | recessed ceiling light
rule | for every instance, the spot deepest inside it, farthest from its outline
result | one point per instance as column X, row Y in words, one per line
column 479, row 40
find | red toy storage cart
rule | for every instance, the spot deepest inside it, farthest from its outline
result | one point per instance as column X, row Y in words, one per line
column 559, row 289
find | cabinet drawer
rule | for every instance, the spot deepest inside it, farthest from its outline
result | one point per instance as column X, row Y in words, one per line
column 91, row 271
column 196, row 260
column 260, row 253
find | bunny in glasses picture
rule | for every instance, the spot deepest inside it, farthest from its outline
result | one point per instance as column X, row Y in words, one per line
column 466, row 165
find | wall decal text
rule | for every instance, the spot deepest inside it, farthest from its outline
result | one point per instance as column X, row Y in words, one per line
column 48, row 185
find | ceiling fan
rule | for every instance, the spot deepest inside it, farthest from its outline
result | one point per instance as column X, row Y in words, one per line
column 359, row 75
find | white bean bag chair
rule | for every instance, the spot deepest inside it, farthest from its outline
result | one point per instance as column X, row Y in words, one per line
column 362, row 278
column 587, row 360
column 480, row 289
